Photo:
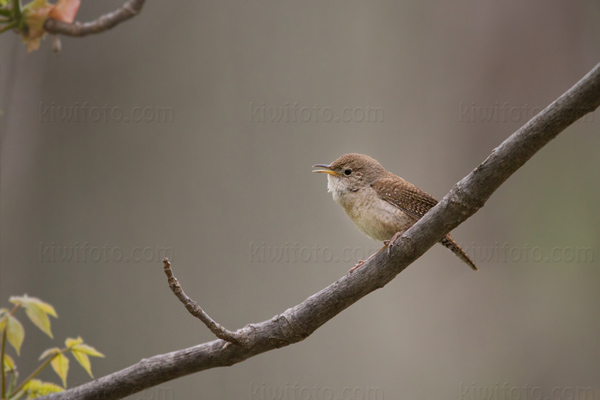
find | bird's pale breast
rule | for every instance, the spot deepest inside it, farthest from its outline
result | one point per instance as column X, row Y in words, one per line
column 375, row 217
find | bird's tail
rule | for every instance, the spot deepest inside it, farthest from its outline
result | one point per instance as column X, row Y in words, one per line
column 455, row 248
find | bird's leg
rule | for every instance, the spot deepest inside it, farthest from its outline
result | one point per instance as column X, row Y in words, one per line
column 392, row 240
column 361, row 262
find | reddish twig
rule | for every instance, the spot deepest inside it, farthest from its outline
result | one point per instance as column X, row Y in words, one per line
column 128, row 10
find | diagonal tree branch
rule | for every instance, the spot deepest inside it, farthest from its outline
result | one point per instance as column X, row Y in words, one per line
column 297, row 323
column 128, row 10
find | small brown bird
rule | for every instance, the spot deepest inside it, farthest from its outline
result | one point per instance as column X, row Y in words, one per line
column 380, row 203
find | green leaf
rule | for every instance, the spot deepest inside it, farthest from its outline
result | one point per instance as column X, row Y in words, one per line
column 35, row 4
column 3, row 318
column 40, row 319
column 49, row 387
column 89, row 350
column 37, row 311
column 81, row 352
column 60, row 365
column 84, row 361
column 49, row 352
column 45, row 307
column 36, row 387
column 32, row 387
column 15, row 333
column 25, row 301
column 9, row 363
column 70, row 342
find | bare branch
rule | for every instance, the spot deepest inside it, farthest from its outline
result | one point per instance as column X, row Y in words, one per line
column 128, row 10
column 195, row 309
column 298, row 322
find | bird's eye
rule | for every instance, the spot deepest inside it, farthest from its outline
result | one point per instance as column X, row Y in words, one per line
column 348, row 171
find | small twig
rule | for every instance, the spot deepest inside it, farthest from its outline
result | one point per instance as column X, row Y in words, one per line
column 16, row 4
column 129, row 10
column 13, row 380
column 194, row 309
column 3, row 389
column 3, row 351
column 38, row 370
column 9, row 26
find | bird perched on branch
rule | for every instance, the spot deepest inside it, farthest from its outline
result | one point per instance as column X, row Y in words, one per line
column 381, row 204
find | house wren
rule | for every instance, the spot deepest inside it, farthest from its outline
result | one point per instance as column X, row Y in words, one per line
column 381, row 204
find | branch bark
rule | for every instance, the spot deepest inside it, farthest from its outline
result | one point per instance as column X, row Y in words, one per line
column 297, row 323
column 128, row 10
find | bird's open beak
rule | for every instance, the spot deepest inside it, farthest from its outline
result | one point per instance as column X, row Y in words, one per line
column 326, row 169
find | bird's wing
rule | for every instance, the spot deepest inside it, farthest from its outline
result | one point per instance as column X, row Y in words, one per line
column 415, row 202
column 405, row 196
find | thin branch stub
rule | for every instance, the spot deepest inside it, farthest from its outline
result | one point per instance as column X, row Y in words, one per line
column 193, row 308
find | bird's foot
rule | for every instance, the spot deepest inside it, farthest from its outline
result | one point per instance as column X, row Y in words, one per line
column 391, row 242
column 358, row 265
column 361, row 262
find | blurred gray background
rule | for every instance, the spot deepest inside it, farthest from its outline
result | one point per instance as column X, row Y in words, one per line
column 228, row 106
